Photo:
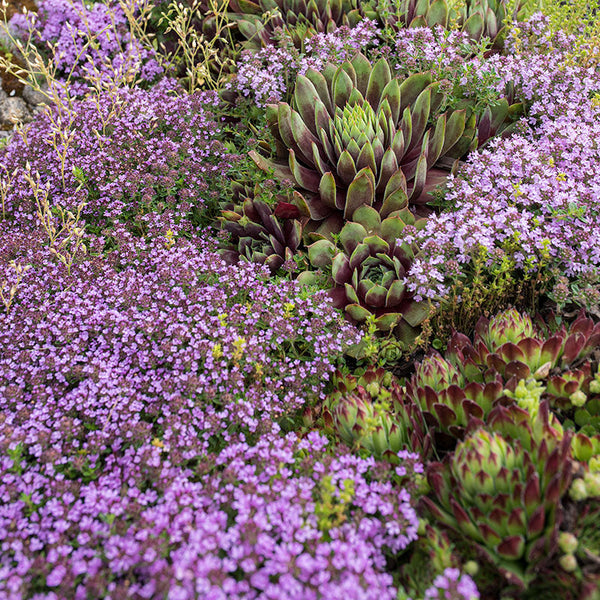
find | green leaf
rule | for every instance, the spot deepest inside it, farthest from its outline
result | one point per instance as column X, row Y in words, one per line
column 437, row 14
column 360, row 191
column 352, row 235
column 320, row 254
column 412, row 87
column 342, row 88
column 362, row 67
column 305, row 100
column 357, row 312
column 378, row 80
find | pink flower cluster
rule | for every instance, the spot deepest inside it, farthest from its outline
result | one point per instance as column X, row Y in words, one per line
column 124, row 154
column 531, row 198
column 269, row 74
column 85, row 41
column 283, row 518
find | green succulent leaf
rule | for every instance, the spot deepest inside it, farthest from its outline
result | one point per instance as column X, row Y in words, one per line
column 280, row 171
column 357, row 312
column 362, row 68
column 340, row 269
column 366, row 158
column 328, row 191
column 346, row 168
column 368, row 217
column 360, row 191
column 455, row 128
column 412, row 87
column 352, row 235
column 320, row 253
column 378, row 80
column 320, row 85
column 474, row 26
column 416, row 313
column 342, row 88
column 391, row 229
column 437, row 14
column 388, row 321
column 419, row 116
column 306, row 178
column 306, row 98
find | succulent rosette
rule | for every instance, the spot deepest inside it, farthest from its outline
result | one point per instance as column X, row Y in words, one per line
column 368, row 272
column 450, row 402
column 372, row 413
column 505, row 496
column 357, row 136
column 497, row 119
column 260, row 232
column 263, row 21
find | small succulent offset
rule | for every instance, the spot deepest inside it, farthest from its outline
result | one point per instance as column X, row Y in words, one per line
column 371, row 412
column 581, row 547
column 357, row 136
column 264, row 21
column 509, row 494
column 259, row 232
column 408, row 13
column 368, row 271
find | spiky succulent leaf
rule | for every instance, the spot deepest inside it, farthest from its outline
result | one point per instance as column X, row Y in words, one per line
column 260, row 22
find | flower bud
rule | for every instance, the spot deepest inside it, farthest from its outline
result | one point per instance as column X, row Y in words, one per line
column 567, row 542
column 471, row 568
column 578, row 491
column 568, row 562
column 578, row 398
column 592, row 484
column 595, row 386
column 373, row 389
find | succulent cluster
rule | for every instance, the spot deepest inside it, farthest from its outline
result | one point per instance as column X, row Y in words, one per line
column 355, row 138
column 494, row 407
column 258, row 231
column 368, row 271
column 477, row 18
column 516, row 349
column 263, row 22
column 511, row 361
column 449, row 401
column 483, row 18
column 513, row 463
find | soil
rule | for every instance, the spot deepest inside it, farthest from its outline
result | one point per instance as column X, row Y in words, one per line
column 15, row 6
